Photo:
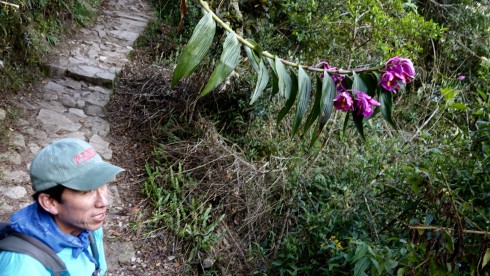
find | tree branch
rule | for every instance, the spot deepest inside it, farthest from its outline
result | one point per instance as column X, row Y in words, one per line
column 9, row 4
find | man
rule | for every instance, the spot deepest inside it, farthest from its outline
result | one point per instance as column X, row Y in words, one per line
column 69, row 179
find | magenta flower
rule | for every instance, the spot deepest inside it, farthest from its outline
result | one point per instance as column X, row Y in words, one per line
column 364, row 104
column 397, row 70
column 338, row 79
column 461, row 78
column 388, row 82
column 402, row 68
column 343, row 102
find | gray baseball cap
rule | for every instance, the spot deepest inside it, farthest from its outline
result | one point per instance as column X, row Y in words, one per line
column 72, row 163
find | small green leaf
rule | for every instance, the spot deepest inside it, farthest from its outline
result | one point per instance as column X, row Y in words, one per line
column 449, row 93
column 290, row 101
column 361, row 266
column 375, row 263
column 449, row 241
column 361, row 251
column 227, row 63
column 358, row 123
column 196, row 49
column 386, row 101
column 284, row 78
column 486, row 258
column 304, row 90
column 262, row 80
column 458, row 106
column 390, row 264
column 358, row 84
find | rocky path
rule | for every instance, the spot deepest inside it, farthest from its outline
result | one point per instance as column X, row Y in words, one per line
column 70, row 103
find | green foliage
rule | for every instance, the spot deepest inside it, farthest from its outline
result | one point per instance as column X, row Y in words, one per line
column 408, row 203
column 182, row 213
column 361, row 31
column 27, row 32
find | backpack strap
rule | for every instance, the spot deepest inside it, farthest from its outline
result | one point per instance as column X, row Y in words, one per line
column 21, row 243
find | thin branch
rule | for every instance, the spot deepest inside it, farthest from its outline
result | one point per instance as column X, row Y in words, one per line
column 9, row 4
column 438, row 228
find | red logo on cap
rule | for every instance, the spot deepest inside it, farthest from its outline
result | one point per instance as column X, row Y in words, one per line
column 84, row 156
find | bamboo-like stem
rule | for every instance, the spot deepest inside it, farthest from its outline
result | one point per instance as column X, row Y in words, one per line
column 9, row 4
column 205, row 5
column 438, row 228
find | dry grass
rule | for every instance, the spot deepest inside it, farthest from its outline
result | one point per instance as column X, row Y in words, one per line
column 153, row 114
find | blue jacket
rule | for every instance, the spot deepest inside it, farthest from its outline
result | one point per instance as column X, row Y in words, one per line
column 13, row 264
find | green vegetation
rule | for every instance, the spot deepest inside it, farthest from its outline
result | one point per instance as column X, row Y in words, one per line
column 406, row 202
column 29, row 28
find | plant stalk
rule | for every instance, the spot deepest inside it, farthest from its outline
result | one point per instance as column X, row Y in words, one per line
column 205, row 6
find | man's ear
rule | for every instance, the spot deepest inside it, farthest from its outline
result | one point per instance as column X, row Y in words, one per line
column 48, row 203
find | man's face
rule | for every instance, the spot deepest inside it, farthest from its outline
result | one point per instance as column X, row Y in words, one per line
column 81, row 210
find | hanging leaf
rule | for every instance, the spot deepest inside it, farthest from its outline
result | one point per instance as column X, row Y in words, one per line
column 283, row 78
column 358, row 84
column 262, row 80
column 371, row 83
column 227, row 63
column 344, row 128
column 329, row 92
column 252, row 56
column 315, row 111
column 304, row 93
column 386, row 100
column 290, row 101
column 275, row 80
column 486, row 258
column 358, row 123
column 275, row 84
column 196, row 48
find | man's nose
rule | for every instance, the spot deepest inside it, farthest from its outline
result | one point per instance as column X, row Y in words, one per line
column 102, row 199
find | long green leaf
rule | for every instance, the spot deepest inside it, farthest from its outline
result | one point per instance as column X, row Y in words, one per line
column 252, row 56
column 304, row 90
column 227, row 63
column 361, row 266
column 283, row 78
column 344, row 128
column 196, row 48
column 486, row 258
column 386, row 100
column 358, row 123
column 358, row 84
column 329, row 92
column 262, row 80
column 275, row 80
column 371, row 82
column 290, row 101
column 315, row 111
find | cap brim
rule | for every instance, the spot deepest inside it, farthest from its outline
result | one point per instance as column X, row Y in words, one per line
column 102, row 173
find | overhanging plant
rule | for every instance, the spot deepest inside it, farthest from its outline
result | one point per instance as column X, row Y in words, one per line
column 350, row 90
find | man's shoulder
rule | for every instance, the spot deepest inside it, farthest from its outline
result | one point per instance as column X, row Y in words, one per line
column 12, row 263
